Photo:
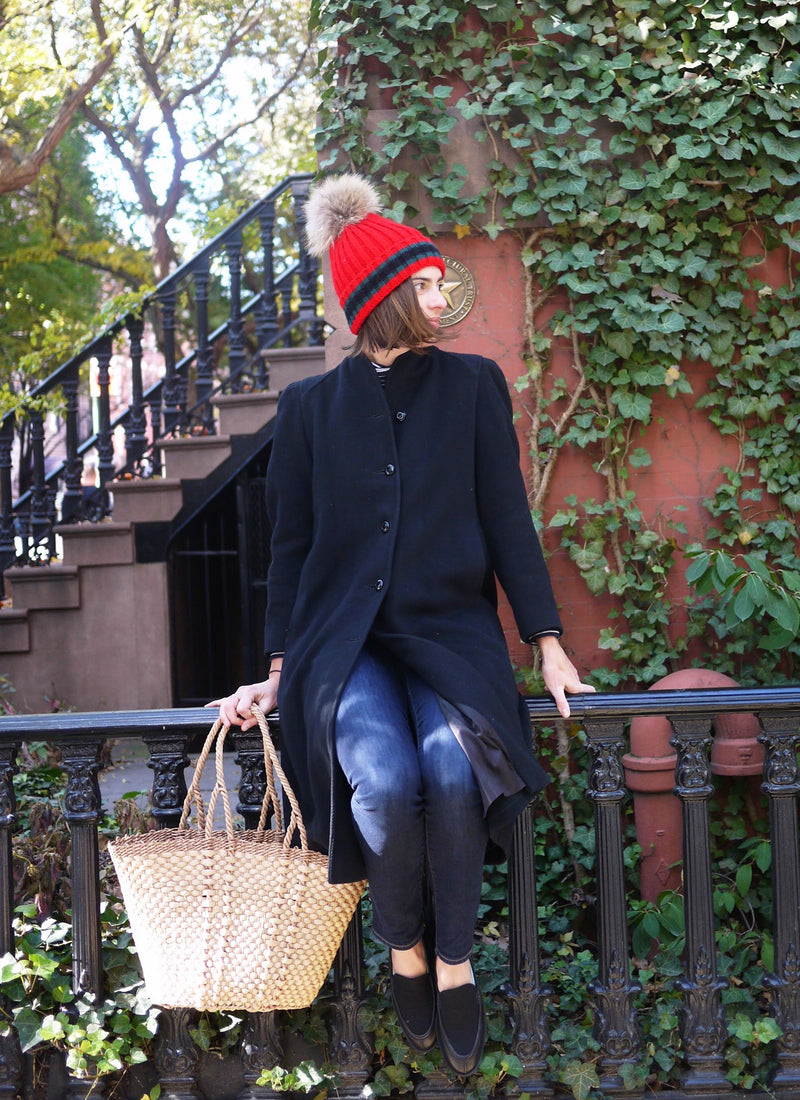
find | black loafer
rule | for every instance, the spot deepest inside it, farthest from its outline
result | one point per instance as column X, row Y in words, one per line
column 414, row 1002
column 461, row 1027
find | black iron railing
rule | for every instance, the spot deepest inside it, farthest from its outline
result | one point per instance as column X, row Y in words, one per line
column 252, row 287
column 604, row 718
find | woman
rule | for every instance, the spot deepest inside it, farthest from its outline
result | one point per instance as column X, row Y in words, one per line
column 395, row 496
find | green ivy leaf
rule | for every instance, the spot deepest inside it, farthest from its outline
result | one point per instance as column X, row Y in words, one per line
column 580, row 1078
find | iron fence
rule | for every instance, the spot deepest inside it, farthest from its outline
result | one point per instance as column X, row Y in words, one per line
column 604, row 718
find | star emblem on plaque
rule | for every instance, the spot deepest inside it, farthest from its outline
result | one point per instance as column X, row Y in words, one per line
column 458, row 290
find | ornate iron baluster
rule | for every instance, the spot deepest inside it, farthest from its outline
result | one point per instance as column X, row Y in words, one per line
column 176, row 1056
column 267, row 316
column 701, row 1021
column 136, row 423
column 8, row 550
column 39, row 523
column 262, row 1038
column 308, row 267
column 11, row 1064
column 262, row 1048
column 350, row 1050
column 82, row 805
column 616, row 1026
column 171, row 388
column 204, row 383
column 527, row 996
column 82, row 811
column 105, row 445
column 73, row 463
column 782, row 785
column 236, row 357
column 157, row 423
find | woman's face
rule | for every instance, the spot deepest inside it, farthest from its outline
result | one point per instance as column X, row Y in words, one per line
column 427, row 283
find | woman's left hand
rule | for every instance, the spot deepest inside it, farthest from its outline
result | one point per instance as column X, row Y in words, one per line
column 560, row 675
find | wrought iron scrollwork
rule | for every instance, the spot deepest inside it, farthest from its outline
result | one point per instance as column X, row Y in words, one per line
column 616, row 1027
column 262, row 1048
column 253, row 781
column 176, row 1056
column 349, row 1050
column 606, row 779
column 528, row 1003
column 168, row 761
column 703, row 1031
column 82, row 801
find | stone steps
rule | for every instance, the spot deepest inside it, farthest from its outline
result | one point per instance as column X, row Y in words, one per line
column 38, row 596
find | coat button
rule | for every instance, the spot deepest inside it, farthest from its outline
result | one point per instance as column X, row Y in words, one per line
column 389, row 469
column 400, row 416
column 378, row 585
column 385, row 526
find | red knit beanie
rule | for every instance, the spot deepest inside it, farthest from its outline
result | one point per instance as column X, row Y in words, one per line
column 370, row 254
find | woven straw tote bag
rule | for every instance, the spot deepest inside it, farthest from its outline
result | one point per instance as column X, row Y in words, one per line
column 232, row 920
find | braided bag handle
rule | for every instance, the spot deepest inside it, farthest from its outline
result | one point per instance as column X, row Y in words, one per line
column 296, row 824
column 271, row 801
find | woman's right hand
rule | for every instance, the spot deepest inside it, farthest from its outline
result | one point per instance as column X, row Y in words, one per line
column 235, row 709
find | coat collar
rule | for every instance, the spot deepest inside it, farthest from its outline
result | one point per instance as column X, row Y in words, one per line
column 401, row 383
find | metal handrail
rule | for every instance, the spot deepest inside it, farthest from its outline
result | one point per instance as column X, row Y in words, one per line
column 611, row 997
column 542, row 710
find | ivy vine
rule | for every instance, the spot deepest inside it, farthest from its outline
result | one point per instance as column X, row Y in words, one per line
column 647, row 155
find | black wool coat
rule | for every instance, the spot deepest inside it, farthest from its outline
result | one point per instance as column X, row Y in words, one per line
column 392, row 509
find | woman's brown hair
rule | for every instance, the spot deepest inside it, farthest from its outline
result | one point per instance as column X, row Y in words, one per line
column 397, row 322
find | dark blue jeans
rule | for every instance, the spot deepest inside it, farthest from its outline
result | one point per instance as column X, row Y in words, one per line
column 415, row 804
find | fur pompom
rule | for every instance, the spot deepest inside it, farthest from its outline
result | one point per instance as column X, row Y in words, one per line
column 335, row 204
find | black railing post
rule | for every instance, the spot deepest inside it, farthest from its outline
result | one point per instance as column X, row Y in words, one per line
column 39, row 520
column 262, row 1038
column 171, row 389
column 105, row 445
column 267, row 316
column 204, row 356
column 349, row 1050
column 73, row 463
column 781, row 737
column 702, row 1025
column 616, row 1027
column 11, row 1064
column 82, row 812
column 236, row 356
column 308, row 266
column 82, row 806
column 527, row 996
column 136, row 423
column 176, row 1055
column 8, row 550
column 157, row 422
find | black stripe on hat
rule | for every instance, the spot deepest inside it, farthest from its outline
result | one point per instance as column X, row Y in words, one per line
column 370, row 287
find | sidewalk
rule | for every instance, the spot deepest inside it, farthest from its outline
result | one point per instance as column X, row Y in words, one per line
column 130, row 773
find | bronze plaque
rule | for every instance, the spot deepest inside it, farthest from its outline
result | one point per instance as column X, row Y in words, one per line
column 458, row 290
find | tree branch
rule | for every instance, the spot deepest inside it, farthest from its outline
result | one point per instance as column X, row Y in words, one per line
column 18, row 171
column 261, row 109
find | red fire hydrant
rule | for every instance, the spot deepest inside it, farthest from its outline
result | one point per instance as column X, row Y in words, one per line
column 650, row 775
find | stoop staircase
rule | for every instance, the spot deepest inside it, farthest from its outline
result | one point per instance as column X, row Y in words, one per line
column 103, row 601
